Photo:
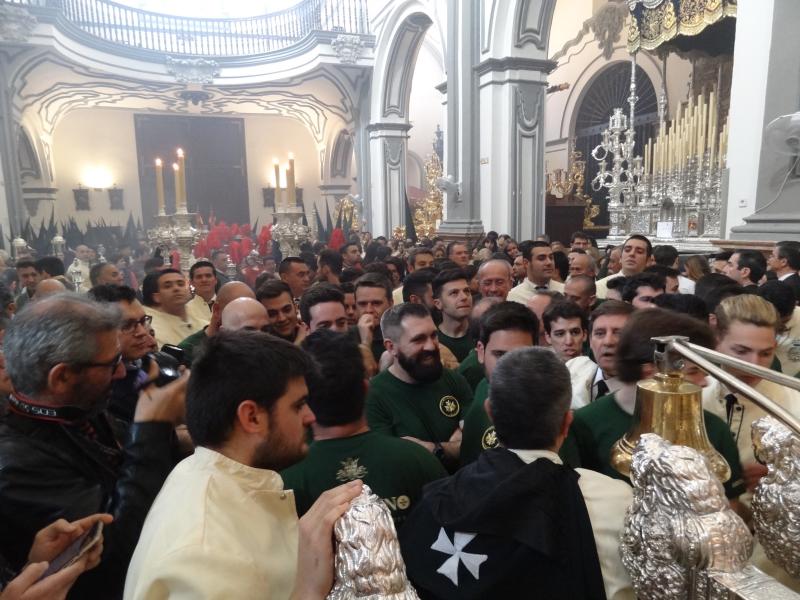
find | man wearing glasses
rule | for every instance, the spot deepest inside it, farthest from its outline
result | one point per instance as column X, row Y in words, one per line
column 134, row 342
column 61, row 454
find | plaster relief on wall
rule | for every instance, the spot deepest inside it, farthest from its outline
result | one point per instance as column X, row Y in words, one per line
column 16, row 24
column 393, row 151
column 192, row 70
column 532, row 23
column 348, row 48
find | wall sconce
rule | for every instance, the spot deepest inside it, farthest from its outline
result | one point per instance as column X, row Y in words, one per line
column 115, row 198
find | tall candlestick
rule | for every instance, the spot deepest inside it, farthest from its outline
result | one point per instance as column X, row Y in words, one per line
column 180, row 206
column 277, row 183
column 177, row 172
column 292, row 192
column 712, row 127
column 160, row 187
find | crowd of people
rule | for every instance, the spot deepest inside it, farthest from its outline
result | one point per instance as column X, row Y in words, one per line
column 219, row 422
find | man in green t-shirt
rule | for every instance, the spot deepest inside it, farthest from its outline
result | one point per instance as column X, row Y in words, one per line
column 504, row 327
column 416, row 398
column 373, row 298
column 452, row 296
column 597, row 427
column 344, row 448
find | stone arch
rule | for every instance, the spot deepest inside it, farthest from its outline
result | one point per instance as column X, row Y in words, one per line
column 341, row 155
column 396, row 53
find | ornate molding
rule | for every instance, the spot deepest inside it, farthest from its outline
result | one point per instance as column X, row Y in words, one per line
column 514, row 63
column 533, row 27
column 606, row 25
column 528, row 100
column 393, row 152
column 400, row 66
column 16, row 24
column 348, row 48
column 192, row 70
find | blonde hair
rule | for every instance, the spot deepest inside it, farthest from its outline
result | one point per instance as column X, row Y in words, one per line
column 746, row 308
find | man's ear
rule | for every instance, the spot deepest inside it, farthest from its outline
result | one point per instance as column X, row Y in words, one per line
column 745, row 271
column 437, row 303
column 157, row 297
column 60, row 379
column 252, row 418
column 487, row 406
column 389, row 345
column 480, row 350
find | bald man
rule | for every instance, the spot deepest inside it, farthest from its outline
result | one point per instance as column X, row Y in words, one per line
column 538, row 303
column 495, row 279
column 244, row 313
column 48, row 287
column 226, row 294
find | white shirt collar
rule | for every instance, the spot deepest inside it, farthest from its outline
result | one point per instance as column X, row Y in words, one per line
column 529, row 456
column 782, row 277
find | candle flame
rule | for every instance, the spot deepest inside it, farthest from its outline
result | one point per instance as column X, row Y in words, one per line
column 158, row 162
column 175, row 166
column 291, row 155
column 275, row 161
column 180, row 152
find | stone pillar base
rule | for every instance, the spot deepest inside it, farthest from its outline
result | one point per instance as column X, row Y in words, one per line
column 457, row 230
column 769, row 226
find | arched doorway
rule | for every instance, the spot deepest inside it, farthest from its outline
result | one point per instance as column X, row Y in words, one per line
column 609, row 90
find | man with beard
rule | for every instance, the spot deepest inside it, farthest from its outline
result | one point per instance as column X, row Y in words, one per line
column 276, row 296
column 61, row 455
column 344, row 448
column 452, row 296
column 415, row 398
column 223, row 525
column 171, row 321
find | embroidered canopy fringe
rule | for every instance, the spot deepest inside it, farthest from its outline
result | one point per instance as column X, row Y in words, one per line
column 650, row 26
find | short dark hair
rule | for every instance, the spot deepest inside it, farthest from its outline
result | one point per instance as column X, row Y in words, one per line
column 687, row 304
column 331, row 259
column 610, row 308
column 272, row 289
column 52, row 265
column 199, row 265
column 529, row 395
column 317, row 294
column 343, row 248
column 780, row 295
column 662, row 270
column 508, row 316
column 112, row 293
column 310, row 259
column 94, row 272
column 561, row 263
column 217, row 253
column 263, row 278
column 636, row 347
column 753, row 260
column 453, row 244
column 379, row 268
column 617, row 283
column 153, row 264
column 25, row 264
column 416, row 283
column 666, row 255
column 349, row 275
column 415, row 252
column 234, row 366
column 579, row 235
column 643, row 238
column 289, row 260
column 714, row 288
column 336, row 391
column 531, row 246
column 791, row 252
column 722, row 255
column 374, row 280
column 445, row 277
column 392, row 319
column 398, row 264
column 564, row 309
column 653, row 280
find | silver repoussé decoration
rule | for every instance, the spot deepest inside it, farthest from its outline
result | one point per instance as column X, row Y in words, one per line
column 679, row 528
column 369, row 565
column 776, row 500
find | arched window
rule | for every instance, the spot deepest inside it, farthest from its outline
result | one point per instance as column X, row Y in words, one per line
column 609, row 90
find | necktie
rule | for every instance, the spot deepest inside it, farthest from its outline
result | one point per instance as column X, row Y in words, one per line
column 735, row 412
column 602, row 389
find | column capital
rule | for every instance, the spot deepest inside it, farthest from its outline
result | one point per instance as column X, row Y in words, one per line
column 390, row 129
column 515, row 63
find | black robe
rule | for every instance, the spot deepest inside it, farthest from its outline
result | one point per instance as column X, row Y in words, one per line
column 526, row 528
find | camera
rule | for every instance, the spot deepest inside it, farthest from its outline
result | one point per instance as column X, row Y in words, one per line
column 169, row 359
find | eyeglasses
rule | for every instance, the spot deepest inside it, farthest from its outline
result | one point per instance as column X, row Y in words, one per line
column 112, row 364
column 130, row 325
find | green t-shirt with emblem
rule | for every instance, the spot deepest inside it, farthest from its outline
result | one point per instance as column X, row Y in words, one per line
column 478, row 432
column 460, row 347
column 427, row 411
column 597, row 427
column 396, row 470
column 471, row 369
column 191, row 345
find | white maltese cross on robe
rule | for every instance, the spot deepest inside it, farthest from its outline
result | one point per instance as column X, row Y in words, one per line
column 456, row 551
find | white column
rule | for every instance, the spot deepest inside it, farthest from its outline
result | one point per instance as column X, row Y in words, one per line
column 765, row 86
column 388, row 144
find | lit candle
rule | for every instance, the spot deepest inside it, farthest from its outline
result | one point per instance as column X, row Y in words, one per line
column 180, row 206
column 160, row 187
column 277, row 183
column 177, row 172
column 712, row 127
column 292, row 192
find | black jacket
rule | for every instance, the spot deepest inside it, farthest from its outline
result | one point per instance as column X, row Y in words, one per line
column 51, row 470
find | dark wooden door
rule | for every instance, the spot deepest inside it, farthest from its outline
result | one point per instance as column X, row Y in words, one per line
column 216, row 164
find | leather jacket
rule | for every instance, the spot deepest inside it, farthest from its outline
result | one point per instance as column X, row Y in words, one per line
column 51, row 470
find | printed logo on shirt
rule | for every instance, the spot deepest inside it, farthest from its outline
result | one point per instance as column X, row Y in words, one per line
column 489, row 438
column 449, row 406
column 350, row 470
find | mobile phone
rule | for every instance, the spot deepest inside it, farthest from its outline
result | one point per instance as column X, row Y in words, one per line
column 72, row 553
column 175, row 352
